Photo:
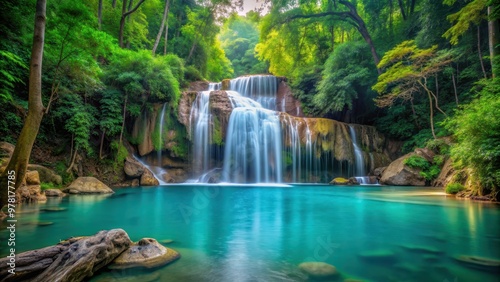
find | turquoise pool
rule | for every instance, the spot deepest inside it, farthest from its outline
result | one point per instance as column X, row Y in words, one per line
column 261, row 233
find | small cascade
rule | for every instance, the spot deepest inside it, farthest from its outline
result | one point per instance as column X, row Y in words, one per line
column 253, row 143
column 201, row 120
column 359, row 162
column 160, row 135
column 367, row 180
column 261, row 88
column 157, row 171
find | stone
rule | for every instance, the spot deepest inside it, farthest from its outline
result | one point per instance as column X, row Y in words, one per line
column 198, row 86
column 421, row 249
column 46, row 175
column 29, row 194
column 225, row 84
column 487, row 264
column 378, row 255
column 344, row 181
column 145, row 253
column 54, row 209
column 148, row 179
column 135, row 183
column 425, row 153
column 446, row 174
column 32, row 178
column 85, row 256
column 6, row 150
column 319, row 270
column 184, row 109
column 166, row 241
column 87, row 185
column 221, row 108
column 54, row 193
column 379, row 171
column 133, row 168
column 399, row 174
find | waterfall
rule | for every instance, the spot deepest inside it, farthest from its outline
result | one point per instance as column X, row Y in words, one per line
column 261, row 88
column 359, row 163
column 253, row 143
column 157, row 171
column 160, row 135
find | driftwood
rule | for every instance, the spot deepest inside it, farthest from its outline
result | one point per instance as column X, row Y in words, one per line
column 71, row 260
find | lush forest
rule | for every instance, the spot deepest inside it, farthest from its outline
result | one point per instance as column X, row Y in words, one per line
column 418, row 70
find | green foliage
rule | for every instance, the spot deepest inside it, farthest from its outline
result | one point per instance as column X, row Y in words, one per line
column 439, row 146
column 417, row 162
column 217, row 132
column 192, row 74
column 473, row 12
column 110, row 112
column 343, row 82
column 476, row 127
column 428, row 171
column 218, row 66
column 60, row 169
column 454, row 188
column 10, row 64
column 120, row 154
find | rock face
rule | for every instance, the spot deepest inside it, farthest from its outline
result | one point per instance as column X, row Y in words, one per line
column 319, row 270
column 285, row 102
column 46, row 174
column 397, row 173
column 446, row 174
column 87, row 185
column 185, row 104
column 133, row 168
column 6, row 150
column 71, row 260
column 145, row 253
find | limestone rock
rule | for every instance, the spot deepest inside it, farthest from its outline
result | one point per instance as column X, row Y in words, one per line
column 225, row 84
column 47, row 175
column 198, row 86
column 135, row 183
column 425, row 153
column 184, row 109
column 397, row 173
column 87, row 185
column 285, row 102
column 446, row 174
column 133, row 168
column 379, row 171
column 175, row 175
column 29, row 193
column 148, row 179
column 344, row 181
column 319, row 270
column 86, row 256
column 221, row 108
column 32, row 177
column 145, row 253
column 54, row 193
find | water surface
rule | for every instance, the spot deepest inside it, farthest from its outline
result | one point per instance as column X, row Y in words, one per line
column 261, row 233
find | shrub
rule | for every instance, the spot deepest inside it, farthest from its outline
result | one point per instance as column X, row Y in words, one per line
column 192, row 74
column 439, row 146
column 417, row 162
column 453, row 188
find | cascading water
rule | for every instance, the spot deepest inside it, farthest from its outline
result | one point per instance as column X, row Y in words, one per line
column 253, row 143
column 359, row 162
column 263, row 144
column 160, row 135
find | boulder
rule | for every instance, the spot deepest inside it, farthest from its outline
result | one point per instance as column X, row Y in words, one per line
column 84, row 257
column 29, row 194
column 175, row 175
column 32, row 177
column 135, row 183
column 148, row 179
column 46, row 175
column 379, row 171
column 54, row 193
column 446, row 174
column 145, row 253
column 184, row 109
column 397, row 173
column 221, row 108
column 87, row 185
column 319, row 270
column 133, row 168
column 6, row 150
column 344, row 181
column 286, row 102
column 426, row 153
column 198, row 86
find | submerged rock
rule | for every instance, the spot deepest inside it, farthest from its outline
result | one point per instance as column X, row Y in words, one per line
column 54, row 193
column 87, row 185
column 344, row 181
column 482, row 263
column 145, row 253
column 319, row 270
column 378, row 255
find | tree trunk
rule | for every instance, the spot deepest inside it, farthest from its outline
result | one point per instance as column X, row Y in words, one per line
column 494, row 41
column 72, row 161
column 162, row 25
column 20, row 157
column 402, row 8
column 124, row 115
column 123, row 18
column 166, row 38
column 114, row 4
column 479, row 51
column 99, row 14
column 102, row 142
column 431, row 115
column 454, row 86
